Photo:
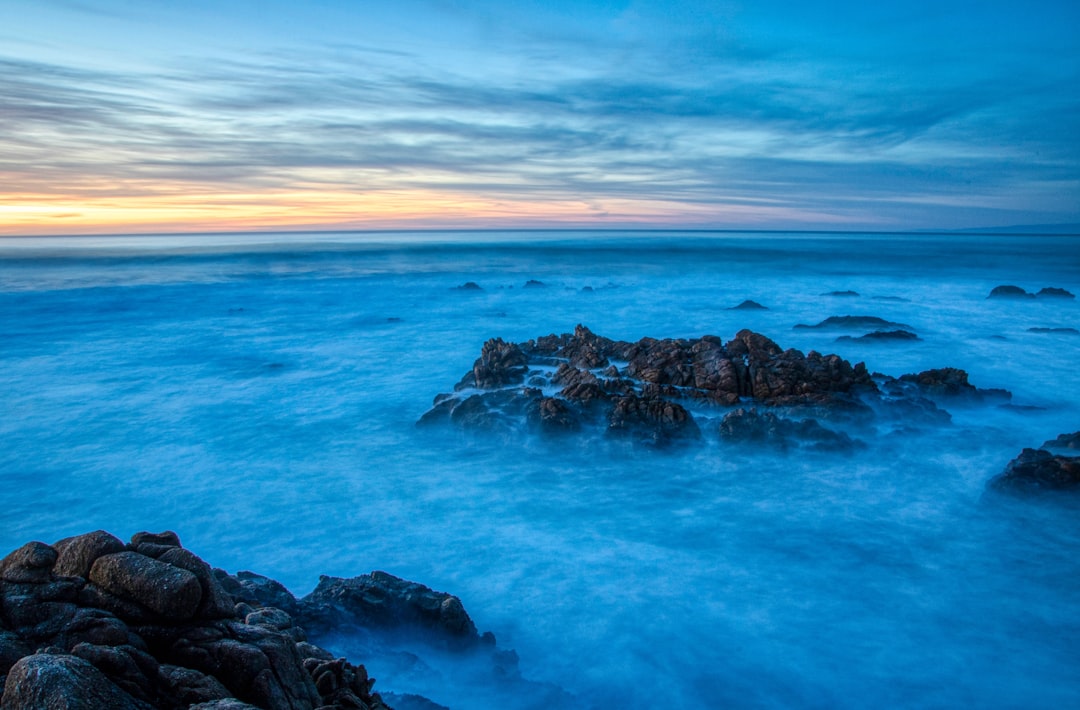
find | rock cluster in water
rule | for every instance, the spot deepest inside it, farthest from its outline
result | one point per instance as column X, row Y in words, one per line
column 90, row 623
column 1010, row 291
column 644, row 390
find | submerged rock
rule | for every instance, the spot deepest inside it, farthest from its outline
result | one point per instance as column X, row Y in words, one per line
column 1058, row 331
column 1008, row 291
column 748, row 306
column 753, row 427
column 854, row 322
column 882, row 336
column 847, row 294
column 469, row 286
column 1054, row 292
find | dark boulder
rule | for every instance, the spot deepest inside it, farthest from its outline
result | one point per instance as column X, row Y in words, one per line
column 1054, row 292
column 500, row 363
column 952, row 383
column 53, row 681
column 381, row 600
column 164, row 589
column 77, row 554
column 533, row 283
column 881, row 336
column 469, row 286
column 30, row 564
column 652, row 421
column 1007, row 291
column 1036, row 471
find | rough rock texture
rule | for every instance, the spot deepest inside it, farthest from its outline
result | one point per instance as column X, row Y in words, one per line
column 1069, row 442
column 92, row 623
column 753, row 427
column 1036, row 471
column 655, row 391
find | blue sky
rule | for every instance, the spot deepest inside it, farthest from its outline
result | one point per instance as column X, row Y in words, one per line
column 175, row 116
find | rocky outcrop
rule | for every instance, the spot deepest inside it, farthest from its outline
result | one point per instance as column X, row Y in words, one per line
column 1054, row 292
column 93, row 623
column 665, row 391
column 1064, row 442
column 1036, row 471
column 749, row 305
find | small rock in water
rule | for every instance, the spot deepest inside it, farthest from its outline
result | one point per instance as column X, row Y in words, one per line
column 1037, row 471
column 468, row 286
column 881, row 336
column 848, row 294
column 854, row 322
column 533, row 283
column 1054, row 292
column 749, row 305
column 1064, row 441
column 1007, row 291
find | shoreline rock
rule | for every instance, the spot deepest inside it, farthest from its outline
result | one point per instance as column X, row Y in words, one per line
column 91, row 623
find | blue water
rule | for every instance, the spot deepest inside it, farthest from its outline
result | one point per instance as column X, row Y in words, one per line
column 258, row 393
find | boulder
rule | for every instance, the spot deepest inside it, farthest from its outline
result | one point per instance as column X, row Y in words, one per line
column 1054, row 292
column 78, row 554
column 30, row 564
column 48, row 681
column 1037, row 471
column 164, row 589
column 751, row 427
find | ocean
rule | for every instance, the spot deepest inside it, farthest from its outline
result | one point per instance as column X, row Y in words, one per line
column 258, row 394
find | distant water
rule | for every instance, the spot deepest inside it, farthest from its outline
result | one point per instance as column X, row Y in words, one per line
column 258, row 393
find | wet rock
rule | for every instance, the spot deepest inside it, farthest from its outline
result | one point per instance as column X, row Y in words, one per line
column 952, row 383
column 1068, row 442
column 1008, row 291
column 47, row 681
column 500, row 363
column 879, row 336
column 533, row 283
column 652, row 420
column 165, row 539
column 751, row 427
column 215, row 603
column 469, row 286
column 1054, row 292
column 854, row 322
column 1036, row 471
column 384, row 601
column 749, row 305
column 847, row 294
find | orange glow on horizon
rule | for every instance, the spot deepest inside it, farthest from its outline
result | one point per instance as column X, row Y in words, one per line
column 170, row 209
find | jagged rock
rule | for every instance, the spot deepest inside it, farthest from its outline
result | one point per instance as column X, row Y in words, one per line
column 854, row 322
column 882, row 336
column 258, row 590
column 500, row 363
column 652, row 420
column 952, row 383
column 1069, row 442
column 382, row 600
column 1035, row 471
column 1007, row 291
column 753, row 427
column 749, row 305
column 1054, row 292
column 48, row 681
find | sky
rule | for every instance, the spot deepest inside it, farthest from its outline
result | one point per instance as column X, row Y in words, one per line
column 145, row 116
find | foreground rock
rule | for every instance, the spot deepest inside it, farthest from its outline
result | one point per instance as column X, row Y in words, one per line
column 91, row 622
column 655, row 391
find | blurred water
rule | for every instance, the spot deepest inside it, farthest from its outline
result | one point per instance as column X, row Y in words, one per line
column 257, row 394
